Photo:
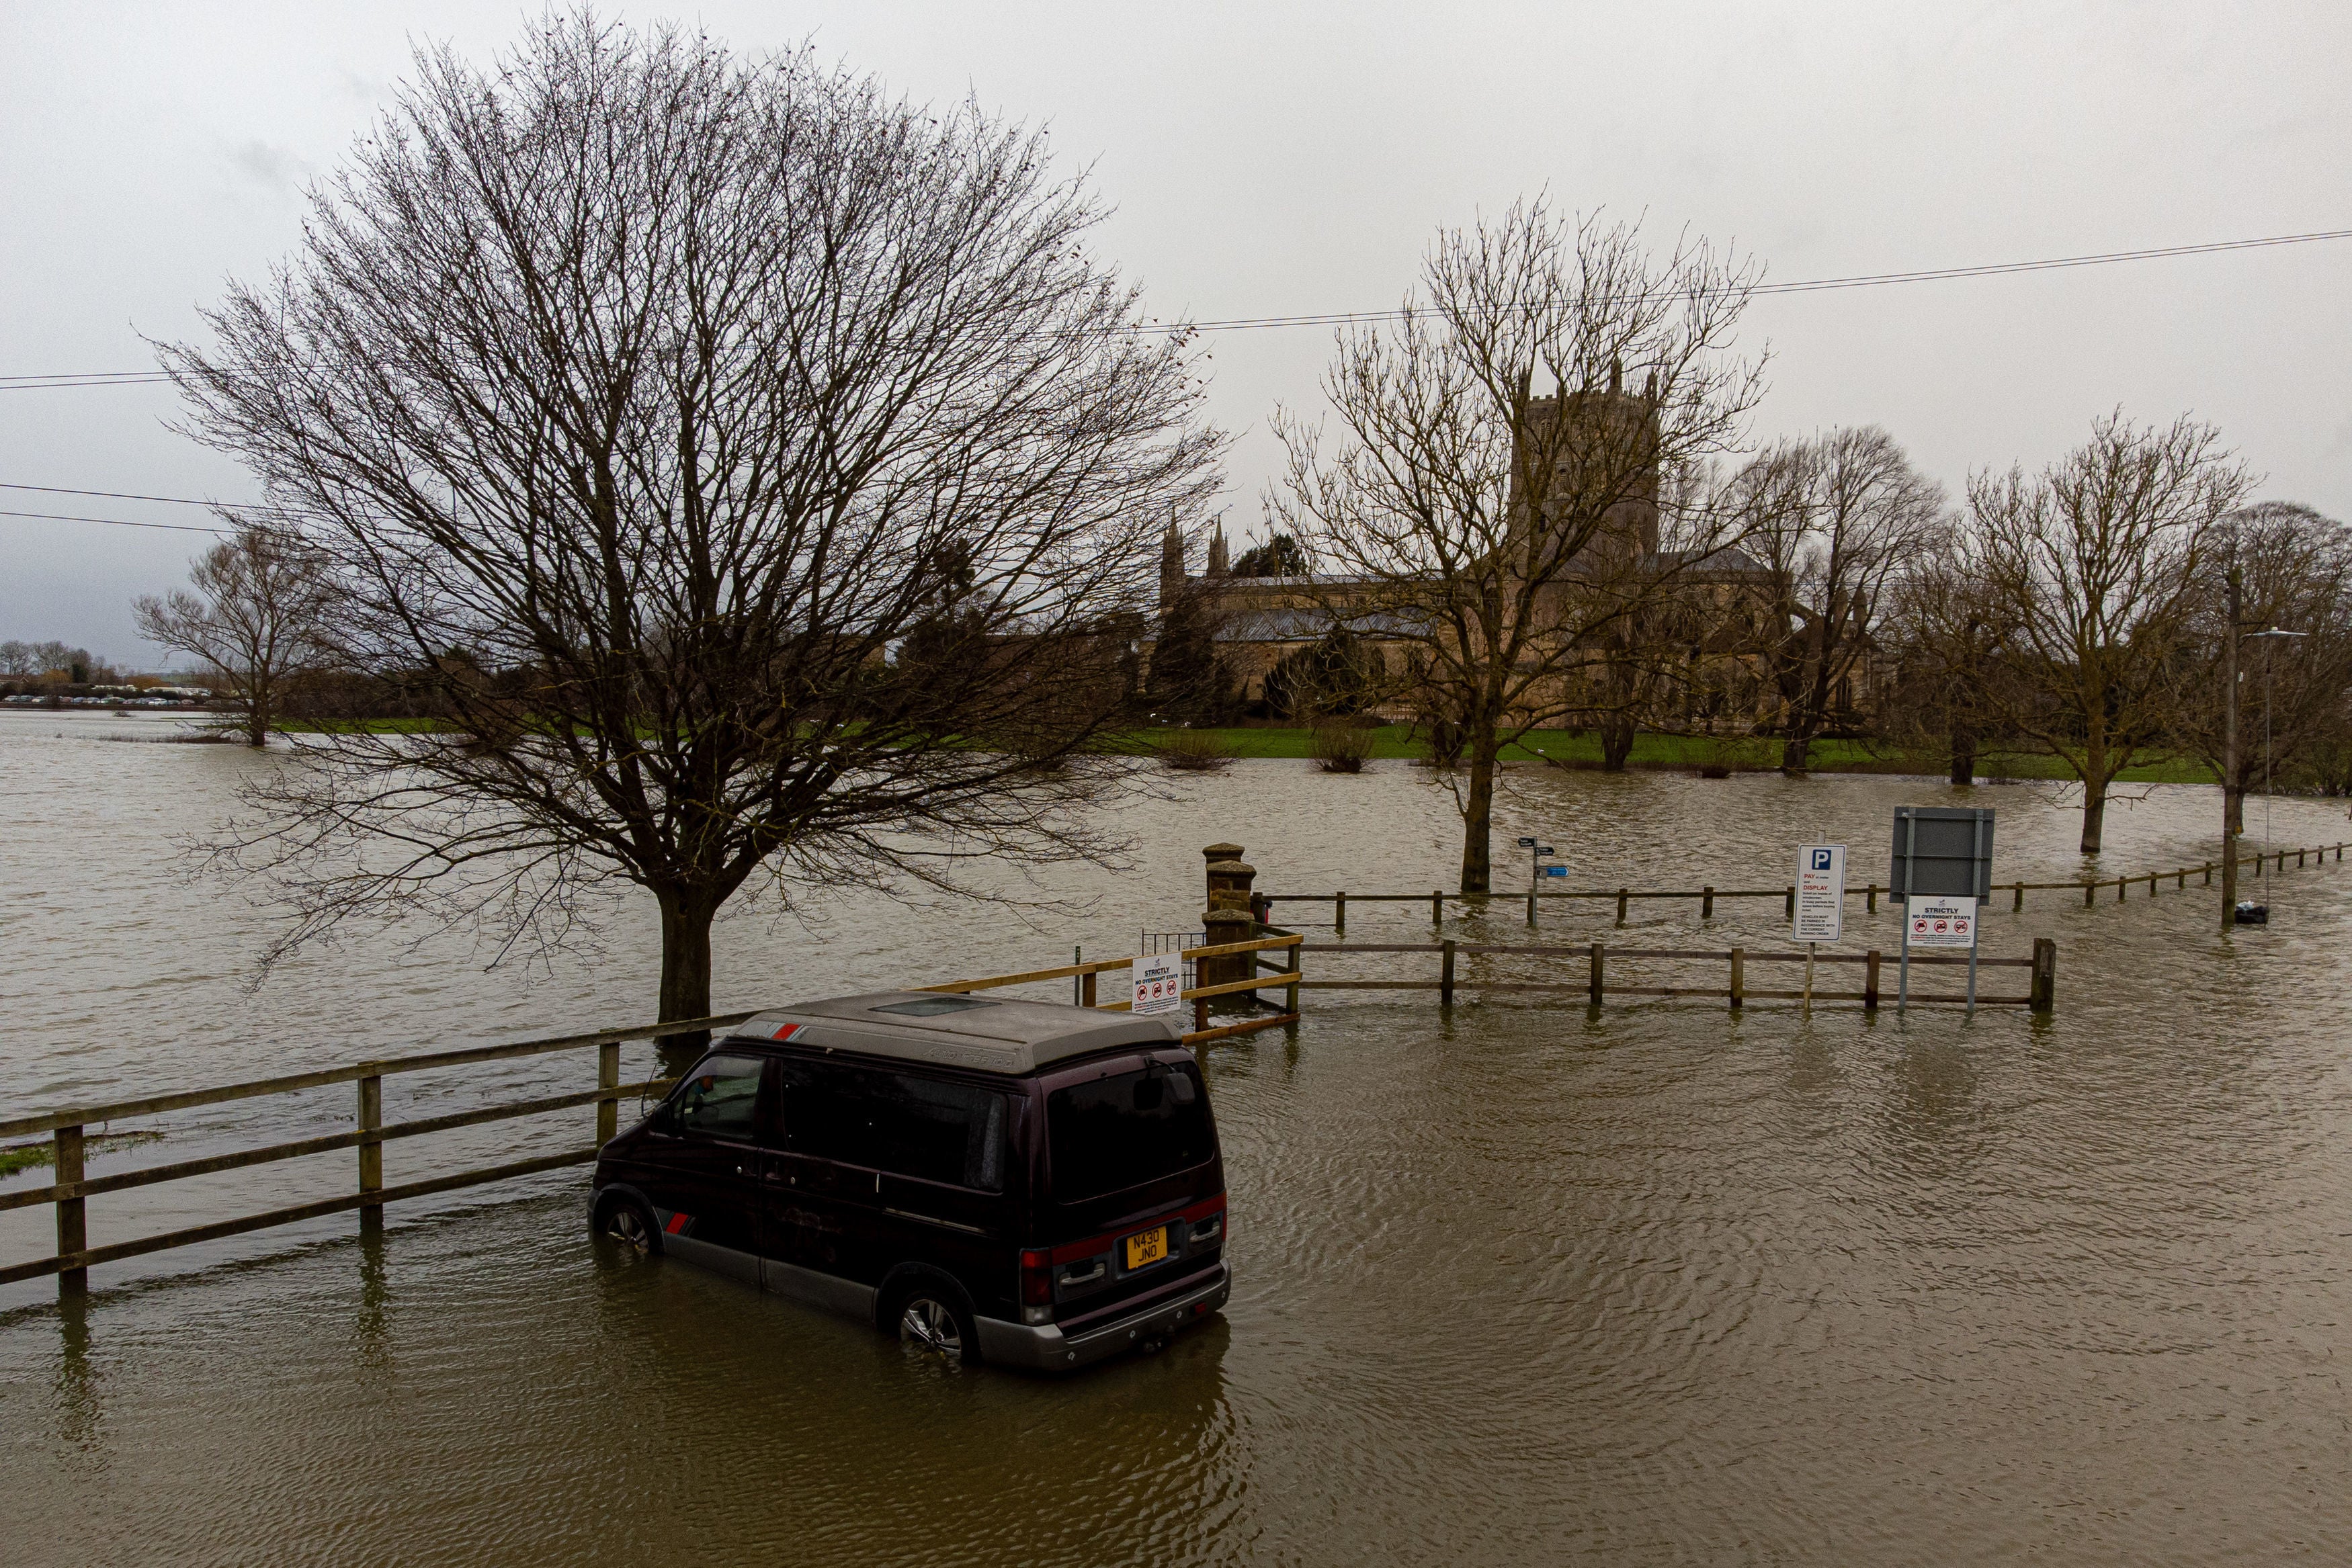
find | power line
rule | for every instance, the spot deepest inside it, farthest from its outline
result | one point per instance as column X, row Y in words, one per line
column 116, row 522
column 1342, row 317
column 130, row 496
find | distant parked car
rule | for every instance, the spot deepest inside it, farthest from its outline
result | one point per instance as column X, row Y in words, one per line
column 1020, row 1183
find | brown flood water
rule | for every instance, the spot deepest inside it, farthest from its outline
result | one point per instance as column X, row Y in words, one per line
column 1519, row 1284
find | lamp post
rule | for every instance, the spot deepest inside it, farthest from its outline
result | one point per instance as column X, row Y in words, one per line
column 2230, row 823
column 2268, row 660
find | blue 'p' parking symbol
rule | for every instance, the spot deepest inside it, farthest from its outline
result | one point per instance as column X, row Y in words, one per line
column 1820, row 860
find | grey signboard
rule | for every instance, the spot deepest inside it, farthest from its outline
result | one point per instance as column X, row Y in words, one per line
column 1943, row 852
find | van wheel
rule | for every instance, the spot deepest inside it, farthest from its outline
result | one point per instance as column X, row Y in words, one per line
column 933, row 1318
column 626, row 1223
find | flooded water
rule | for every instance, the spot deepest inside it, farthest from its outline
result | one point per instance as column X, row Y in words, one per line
column 1518, row 1283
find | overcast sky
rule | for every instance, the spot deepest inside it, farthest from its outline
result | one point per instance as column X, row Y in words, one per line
column 1269, row 158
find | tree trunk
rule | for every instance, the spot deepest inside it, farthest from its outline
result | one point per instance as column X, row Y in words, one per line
column 1796, row 756
column 685, row 974
column 1616, row 743
column 1964, row 754
column 2095, row 813
column 2234, row 807
column 257, row 714
column 1478, row 814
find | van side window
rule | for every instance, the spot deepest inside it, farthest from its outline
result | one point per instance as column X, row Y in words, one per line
column 719, row 1099
column 895, row 1121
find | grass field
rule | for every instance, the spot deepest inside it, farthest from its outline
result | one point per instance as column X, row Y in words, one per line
column 1575, row 748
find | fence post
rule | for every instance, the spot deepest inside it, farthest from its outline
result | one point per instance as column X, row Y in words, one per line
column 2089, row 893
column 1437, row 908
column 1739, row 978
column 1087, row 990
column 2181, row 878
column 1621, row 906
column 1596, row 951
column 73, row 1223
column 372, row 1149
column 1531, row 909
column 2019, row 902
column 1870, row 899
column 2209, row 873
column 2044, row 996
column 1200, row 1013
column 2119, row 890
column 1789, row 908
column 608, row 1080
column 1706, row 903
column 1446, row 976
column 1340, row 915
column 1290, row 991
column 1870, row 981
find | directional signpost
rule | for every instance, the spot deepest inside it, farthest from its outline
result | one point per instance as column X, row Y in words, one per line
column 1820, row 901
column 1538, row 852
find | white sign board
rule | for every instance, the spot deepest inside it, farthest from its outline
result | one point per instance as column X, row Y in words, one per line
column 1821, row 893
column 1159, row 983
column 1935, row 920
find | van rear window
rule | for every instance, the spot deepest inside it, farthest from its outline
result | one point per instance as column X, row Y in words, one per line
column 1120, row 1132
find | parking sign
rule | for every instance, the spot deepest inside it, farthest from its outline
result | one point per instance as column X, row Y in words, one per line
column 1821, row 893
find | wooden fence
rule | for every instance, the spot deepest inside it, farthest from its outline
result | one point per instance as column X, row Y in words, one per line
column 72, row 1188
column 1706, row 897
column 1597, row 986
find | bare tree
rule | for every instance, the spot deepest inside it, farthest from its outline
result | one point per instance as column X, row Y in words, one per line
column 2294, row 567
column 259, row 619
column 1834, row 521
column 763, row 474
column 1492, row 531
column 2092, row 569
column 1944, row 628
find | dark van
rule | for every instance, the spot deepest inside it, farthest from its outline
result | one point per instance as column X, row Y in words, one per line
column 1013, row 1182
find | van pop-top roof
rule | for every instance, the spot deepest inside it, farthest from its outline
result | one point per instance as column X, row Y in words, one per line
column 993, row 1035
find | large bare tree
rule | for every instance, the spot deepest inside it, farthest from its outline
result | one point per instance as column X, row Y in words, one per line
column 2093, row 570
column 1943, row 628
column 259, row 618
column 1494, row 531
column 763, row 475
column 2295, row 572
column 1834, row 520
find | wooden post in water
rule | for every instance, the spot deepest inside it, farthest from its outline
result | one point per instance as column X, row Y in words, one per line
column 1437, row 908
column 1870, row 899
column 1706, row 903
column 1597, row 963
column 2089, row 893
column 1531, row 908
column 1739, row 978
column 1087, row 991
column 371, row 1152
column 73, row 1223
column 1290, row 991
column 2017, row 902
column 1621, row 906
column 1870, row 981
column 608, row 1078
column 1340, row 915
column 1446, row 976
column 2043, row 997
column 1790, row 912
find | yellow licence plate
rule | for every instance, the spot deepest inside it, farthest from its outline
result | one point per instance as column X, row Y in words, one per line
column 1148, row 1248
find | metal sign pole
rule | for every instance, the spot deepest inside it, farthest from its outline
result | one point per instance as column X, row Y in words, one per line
column 1910, row 880
column 1808, row 978
column 1976, row 911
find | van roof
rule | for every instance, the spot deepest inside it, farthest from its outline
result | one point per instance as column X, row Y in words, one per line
column 992, row 1034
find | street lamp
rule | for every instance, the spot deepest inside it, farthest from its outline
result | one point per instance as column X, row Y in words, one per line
column 2268, row 660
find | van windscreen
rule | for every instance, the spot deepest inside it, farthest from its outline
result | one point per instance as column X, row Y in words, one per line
column 1123, row 1130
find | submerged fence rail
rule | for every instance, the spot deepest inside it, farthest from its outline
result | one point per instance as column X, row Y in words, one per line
column 1628, row 896
column 72, row 1190
column 1598, row 985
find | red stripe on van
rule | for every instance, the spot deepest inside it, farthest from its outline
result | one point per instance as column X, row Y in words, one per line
column 1070, row 1252
column 678, row 1223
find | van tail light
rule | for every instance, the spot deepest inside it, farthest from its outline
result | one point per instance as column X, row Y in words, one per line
column 1037, row 1287
column 1208, row 1222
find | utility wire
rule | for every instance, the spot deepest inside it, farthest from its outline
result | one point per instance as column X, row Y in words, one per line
column 1345, row 318
column 117, row 522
